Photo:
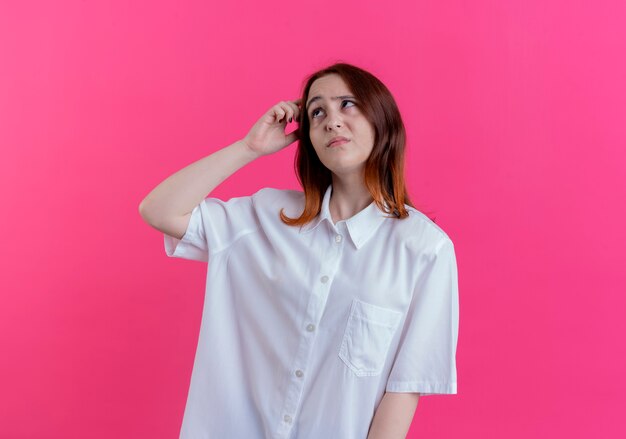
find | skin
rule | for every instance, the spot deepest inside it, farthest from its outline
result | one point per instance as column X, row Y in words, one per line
column 393, row 416
column 329, row 118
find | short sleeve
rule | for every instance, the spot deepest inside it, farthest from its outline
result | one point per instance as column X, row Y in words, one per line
column 214, row 225
column 425, row 361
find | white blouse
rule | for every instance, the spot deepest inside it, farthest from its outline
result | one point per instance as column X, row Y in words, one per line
column 304, row 329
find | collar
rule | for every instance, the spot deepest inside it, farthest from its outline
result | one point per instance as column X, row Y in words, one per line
column 361, row 226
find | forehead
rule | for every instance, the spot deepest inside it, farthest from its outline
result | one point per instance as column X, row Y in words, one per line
column 327, row 86
column 329, row 82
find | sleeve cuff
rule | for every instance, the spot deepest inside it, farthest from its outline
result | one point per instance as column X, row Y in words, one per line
column 424, row 388
column 191, row 245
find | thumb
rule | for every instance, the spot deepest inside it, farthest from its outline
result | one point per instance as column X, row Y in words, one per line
column 292, row 137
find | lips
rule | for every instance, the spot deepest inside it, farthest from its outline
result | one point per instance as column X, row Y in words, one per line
column 336, row 139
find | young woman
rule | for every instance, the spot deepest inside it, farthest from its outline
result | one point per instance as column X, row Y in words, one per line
column 327, row 312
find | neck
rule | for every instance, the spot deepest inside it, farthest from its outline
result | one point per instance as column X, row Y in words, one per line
column 349, row 196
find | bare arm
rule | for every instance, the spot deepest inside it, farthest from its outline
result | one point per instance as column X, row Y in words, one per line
column 168, row 206
column 393, row 416
column 179, row 193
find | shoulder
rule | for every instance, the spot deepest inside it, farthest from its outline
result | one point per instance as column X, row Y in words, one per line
column 273, row 199
column 421, row 234
column 272, row 195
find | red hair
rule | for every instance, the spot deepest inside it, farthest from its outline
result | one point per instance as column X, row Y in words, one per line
column 384, row 168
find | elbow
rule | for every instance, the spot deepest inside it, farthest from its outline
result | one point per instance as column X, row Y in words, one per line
column 143, row 212
column 142, row 207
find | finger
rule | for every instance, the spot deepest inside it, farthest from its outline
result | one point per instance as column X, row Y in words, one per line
column 287, row 109
column 279, row 112
column 295, row 111
column 298, row 104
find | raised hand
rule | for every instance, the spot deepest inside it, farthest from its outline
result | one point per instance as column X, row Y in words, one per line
column 267, row 135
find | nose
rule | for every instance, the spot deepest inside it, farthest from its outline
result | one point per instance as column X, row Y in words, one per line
column 333, row 122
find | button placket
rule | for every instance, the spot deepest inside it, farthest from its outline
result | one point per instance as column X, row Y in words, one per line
column 315, row 309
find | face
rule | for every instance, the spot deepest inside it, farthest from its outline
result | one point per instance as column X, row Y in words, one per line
column 331, row 117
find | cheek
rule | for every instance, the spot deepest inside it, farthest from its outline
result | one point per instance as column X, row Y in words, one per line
column 366, row 131
column 314, row 135
column 315, row 139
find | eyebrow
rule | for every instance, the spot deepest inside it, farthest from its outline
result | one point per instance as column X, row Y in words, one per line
column 316, row 98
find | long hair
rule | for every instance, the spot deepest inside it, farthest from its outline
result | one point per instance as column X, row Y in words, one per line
column 384, row 168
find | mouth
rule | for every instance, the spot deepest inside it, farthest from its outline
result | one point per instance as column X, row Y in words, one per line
column 337, row 141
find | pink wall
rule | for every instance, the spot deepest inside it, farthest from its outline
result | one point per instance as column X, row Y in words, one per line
column 515, row 118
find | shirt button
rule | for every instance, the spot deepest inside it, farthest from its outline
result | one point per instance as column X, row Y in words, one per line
column 338, row 238
column 324, row 279
column 299, row 373
column 310, row 327
column 287, row 418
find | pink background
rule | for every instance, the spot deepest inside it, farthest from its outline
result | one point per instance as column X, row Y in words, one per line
column 516, row 130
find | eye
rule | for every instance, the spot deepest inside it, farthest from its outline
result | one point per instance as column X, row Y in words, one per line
column 342, row 102
column 345, row 100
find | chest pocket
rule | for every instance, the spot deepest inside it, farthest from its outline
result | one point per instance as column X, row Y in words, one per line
column 367, row 337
